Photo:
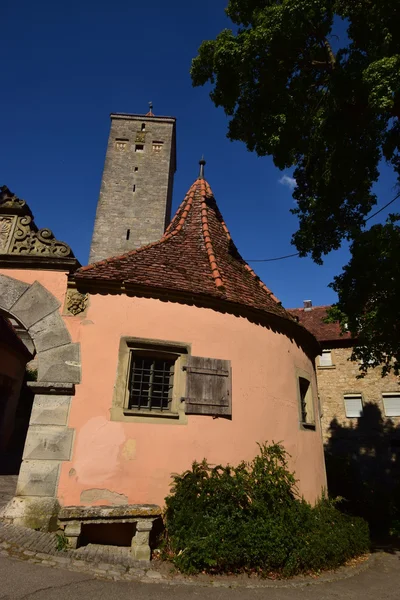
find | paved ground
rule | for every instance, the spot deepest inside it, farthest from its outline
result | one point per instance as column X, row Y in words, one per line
column 30, row 569
column 22, row 580
column 8, row 483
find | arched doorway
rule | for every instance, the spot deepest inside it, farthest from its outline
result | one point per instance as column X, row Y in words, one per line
column 49, row 439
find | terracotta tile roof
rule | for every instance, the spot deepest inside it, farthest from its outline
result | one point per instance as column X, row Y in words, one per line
column 313, row 320
column 196, row 255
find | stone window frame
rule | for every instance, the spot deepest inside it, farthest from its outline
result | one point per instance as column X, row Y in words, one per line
column 309, row 425
column 386, row 395
column 327, row 366
column 120, row 410
column 353, row 395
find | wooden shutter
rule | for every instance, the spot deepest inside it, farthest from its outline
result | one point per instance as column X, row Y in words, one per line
column 208, row 386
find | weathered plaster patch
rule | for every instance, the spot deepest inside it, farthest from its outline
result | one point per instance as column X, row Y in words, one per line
column 97, row 450
column 72, row 473
column 102, row 495
column 129, row 450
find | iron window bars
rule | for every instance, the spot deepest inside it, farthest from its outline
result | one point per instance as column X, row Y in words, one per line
column 150, row 382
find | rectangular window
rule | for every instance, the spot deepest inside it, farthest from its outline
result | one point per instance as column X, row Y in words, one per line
column 139, row 147
column 353, row 405
column 150, row 381
column 306, row 403
column 157, row 146
column 391, row 404
column 160, row 381
column 325, row 360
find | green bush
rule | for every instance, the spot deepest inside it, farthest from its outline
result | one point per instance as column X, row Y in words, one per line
column 250, row 518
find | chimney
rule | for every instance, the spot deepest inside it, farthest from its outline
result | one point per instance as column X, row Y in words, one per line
column 307, row 305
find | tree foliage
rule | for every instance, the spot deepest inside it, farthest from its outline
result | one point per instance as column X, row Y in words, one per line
column 327, row 105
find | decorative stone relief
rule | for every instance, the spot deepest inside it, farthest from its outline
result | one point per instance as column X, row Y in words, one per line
column 140, row 137
column 5, row 228
column 76, row 302
column 20, row 236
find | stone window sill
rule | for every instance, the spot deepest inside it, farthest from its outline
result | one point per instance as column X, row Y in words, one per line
column 151, row 413
column 323, row 367
column 309, row 426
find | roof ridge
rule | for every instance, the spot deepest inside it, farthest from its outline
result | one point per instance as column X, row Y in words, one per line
column 216, row 274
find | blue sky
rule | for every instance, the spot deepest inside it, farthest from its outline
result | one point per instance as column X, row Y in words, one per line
column 66, row 66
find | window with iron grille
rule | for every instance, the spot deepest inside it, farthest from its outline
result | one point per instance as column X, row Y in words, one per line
column 151, row 381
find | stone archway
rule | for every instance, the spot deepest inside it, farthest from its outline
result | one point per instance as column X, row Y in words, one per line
column 49, row 439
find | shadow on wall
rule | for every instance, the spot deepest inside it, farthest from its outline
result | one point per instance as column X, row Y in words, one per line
column 363, row 467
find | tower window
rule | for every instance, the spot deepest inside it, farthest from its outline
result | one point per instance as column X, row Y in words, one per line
column 128, row 234
column 139, row 148
column 157, row 146
column 143, row 126
column 136, row 169
column 134, row 188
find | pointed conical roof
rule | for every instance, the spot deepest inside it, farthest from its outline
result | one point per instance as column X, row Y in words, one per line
column 195, row 256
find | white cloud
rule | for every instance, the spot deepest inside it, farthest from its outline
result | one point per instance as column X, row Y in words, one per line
column 290, row 182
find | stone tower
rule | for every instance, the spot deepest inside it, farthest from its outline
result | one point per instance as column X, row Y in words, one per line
column 136, row 190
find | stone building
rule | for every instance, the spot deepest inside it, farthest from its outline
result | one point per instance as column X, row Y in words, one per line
column 343, row 392
column 360, row 425
column 152, row 357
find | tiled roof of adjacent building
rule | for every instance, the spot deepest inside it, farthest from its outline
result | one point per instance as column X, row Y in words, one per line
column 195, row 256
column 313, row 319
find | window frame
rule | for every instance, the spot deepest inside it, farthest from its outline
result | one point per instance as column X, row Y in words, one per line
column 310, row 424
column 328, row 365
column 121, row 410
column 389, row 395
column 353, row 395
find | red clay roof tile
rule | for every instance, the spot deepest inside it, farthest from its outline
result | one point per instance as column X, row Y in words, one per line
column 195, row 255
column 313, row 320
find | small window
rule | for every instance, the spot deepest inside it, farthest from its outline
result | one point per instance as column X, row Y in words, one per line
column 353, row 405
column 143, row 128
column 306, row 403
column 134, row 188
column 325, row 360
column 391, row 404
column 136, row 169
column 157, row 146
column 128, row 234
column 139, row 148
column 150, row 382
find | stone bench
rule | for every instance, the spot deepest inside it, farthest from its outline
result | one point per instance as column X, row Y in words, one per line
column 143, row 515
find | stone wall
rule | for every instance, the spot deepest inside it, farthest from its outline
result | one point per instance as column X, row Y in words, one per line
column 136, row 190
column 340, row 379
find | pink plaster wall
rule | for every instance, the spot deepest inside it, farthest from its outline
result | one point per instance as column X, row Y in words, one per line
column 136, row 459
column 56, row 283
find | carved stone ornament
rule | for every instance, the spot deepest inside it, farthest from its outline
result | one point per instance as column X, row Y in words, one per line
column 5, row 228
column 140, row 137
column 76, row 302
column 20, row 236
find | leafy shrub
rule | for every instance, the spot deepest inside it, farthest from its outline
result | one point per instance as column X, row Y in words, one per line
column 249, row 517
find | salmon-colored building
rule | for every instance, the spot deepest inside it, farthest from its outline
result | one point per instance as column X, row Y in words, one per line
column 166, row 354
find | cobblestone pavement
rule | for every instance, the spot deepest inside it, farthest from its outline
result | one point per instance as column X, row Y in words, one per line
column 31, row 565
column 8, row 483
column 24, row 579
